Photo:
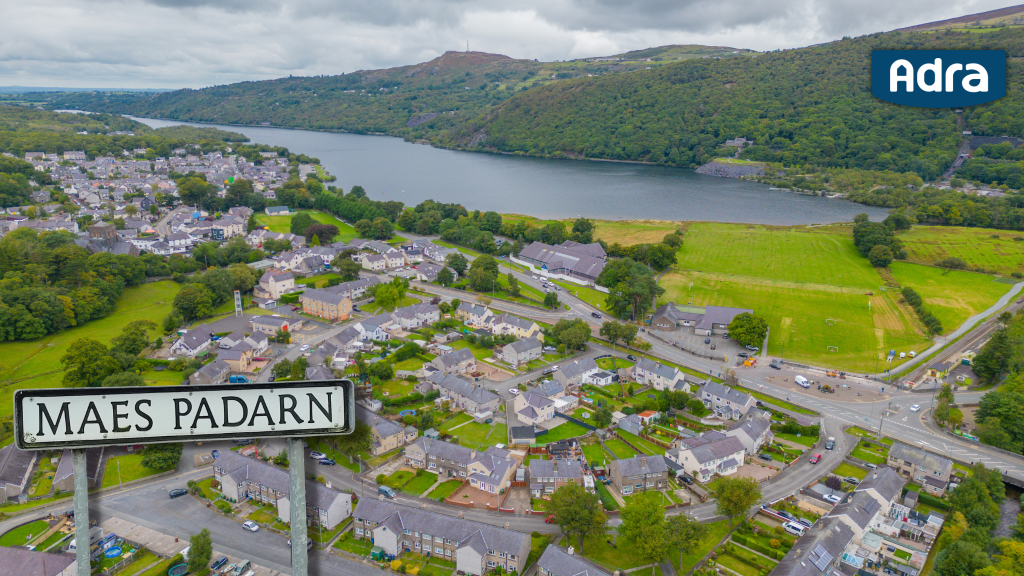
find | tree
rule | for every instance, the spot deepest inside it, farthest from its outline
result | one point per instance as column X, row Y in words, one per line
column 283, row 368
column 550, row 300
column 87, row 363
column 325, row 232
column 513, row 286
column 748, row 329
column 736, row 495
column 343, row 265
column 880, row 256
column 251, row 224
column 960, row 558
column 833, row 483
column 578, row 513
column 445, row 277
column 194, row 301
column 133, row 338
column 456, row 261
column 643, row 527
column 298, row 371
column 862, row 217
column 162, row 456
column 358, row 441
column 572, row 333
column 200, row 551
column 602, row 417
column 686, row 534
column 131, row 210
column 123, row 379
column 300, row 222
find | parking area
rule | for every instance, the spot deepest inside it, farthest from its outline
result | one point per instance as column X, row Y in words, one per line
column 685, row 337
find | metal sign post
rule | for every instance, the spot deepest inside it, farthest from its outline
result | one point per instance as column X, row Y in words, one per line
column 80, row 418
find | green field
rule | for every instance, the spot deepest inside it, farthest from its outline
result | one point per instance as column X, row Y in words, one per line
column 619, row 448
column 797, row 277
column 36, row 363
column 481, row 436
column 282, row 224
column 21, row 535
column 126, row 468
column 975, row 246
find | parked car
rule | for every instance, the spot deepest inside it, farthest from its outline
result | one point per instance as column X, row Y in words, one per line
column 550, row 349
column 387, row 492
column 595, row 314
column 714, row 346
column 794, row 528
column 554, row 368
column 742, row 354
column 309, row 543
column 830, row 443
column 871, row 465
column 489, row 421
column 178, row 492
column 251, row 526
column 805, row 522
column 785, row 514
column 317, row 455
column 816, row 458
column 219, row 563
column 513, row 391
column 752, row 348
column 707, row 340
column 725, row 336
column 915, row 407
column 686, row 480
column 327, row 462
column 630, row 357
column 832, row 498
column 764, row 456
column 215, row 454
column 550, row 519
column 852, row 480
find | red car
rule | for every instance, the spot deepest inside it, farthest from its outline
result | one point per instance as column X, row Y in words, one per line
column 294, row 308
column 550, row 519
column 816, row 458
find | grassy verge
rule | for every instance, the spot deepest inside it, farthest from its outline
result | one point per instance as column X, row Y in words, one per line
column 23, row 534
column 776, row 402
column 845, row 470
column 126, row 468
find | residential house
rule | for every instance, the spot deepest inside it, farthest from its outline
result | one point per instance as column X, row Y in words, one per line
column 522, row 351
column 428, row 272
column 356, row 288
column 726, row 402
column 459, row 361
column 575, row 374
column 417, row 315
column 551, row 389
column 474, row 547
column 489, row 471
column 657, row 375
column 600, row 378
column 387, row 435
column 319, row 373
column 631, row 424
column 546, row 476
column 435, row 252
column 395, row 258
column 753, row 432
column 15, row 471
column 192, row 342
column 272, row 324
column 884, row 485
column 375, row 328
column 374, row 262
column 274, row 283
column 326, row 305
column 18, row 561
column 64, row 475
column 818, row 551
column 213, row 373
column 258, row 341
column 464, row 395
column 237, row 359
column 857, row 512
column 709, row 454
column 519, row 327
column 923, row 468
column 638, row 474
column 705, row 320
column 227, row 342
column 243, row 478
column 556, row 561
column 474, row 315
column 533, row 408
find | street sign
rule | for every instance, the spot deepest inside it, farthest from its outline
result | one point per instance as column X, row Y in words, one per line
column 85, row 417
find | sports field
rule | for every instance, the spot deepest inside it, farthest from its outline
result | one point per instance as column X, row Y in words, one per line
column 36, row 363
column 801, row 279
column 999, row 251
column 282, row 224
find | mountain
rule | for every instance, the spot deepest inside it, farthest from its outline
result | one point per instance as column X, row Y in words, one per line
column 1010, row 16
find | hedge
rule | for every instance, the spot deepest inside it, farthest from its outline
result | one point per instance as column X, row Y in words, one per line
column 929, row 500
column 740, row 539
column 291, row 298
column 599, row 391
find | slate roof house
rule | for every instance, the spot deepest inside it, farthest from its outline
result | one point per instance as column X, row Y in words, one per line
column 576, row 373
column 521, row 351
column 658, row 375
column 246, row 478
column 725, row 401
column 458, row 361
column 213, row 373
column 533, row 408
column 704, row 320
column 639, row 473
column 709, row 454
column 387, row 435
column 546, row 476
column 516, row 326
column 474, row 315
column 274, row 283
column 928, row 470
column 192, row 342
column 818, row 551
column 271, row 324
column 753, row 432
column 417, row 315
column 19, row 561
column 476, row 548
column 463, row 394
column 556, row 561
column 15, row 471
column 489, row 471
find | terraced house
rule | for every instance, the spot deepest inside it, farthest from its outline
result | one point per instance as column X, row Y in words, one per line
column 463, row 394
column 459, row 361
column 244, row 478
column 417, row 315
column 476, row 548
column 516, row 326
column 639, row 473
column 725, row 401
column 546, row 476
column 474, row 315
column 929, row 471
column 326, row 305
column 658, row 375
column 489, row 471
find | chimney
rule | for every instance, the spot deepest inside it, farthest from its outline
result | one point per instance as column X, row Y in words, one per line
column 571, row 551
column 472, row 454
column 506, row 525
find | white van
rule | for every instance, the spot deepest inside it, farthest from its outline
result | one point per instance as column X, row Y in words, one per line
column 903, row 355
column 794, row 528
column 802, row 381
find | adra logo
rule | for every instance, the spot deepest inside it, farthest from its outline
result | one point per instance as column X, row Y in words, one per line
column 938, row 78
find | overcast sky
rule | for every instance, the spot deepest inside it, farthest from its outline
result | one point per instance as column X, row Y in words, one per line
column 197, row 43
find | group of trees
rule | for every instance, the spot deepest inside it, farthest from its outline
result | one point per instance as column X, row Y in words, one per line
column 88, row 362
column 658, row 256
column 632, row 288
column 372, row 219
column 570, row 334
column 315, row 233
column 877, row 241
column 748, row 329
column 16, row 178
column 933, row 324
column 205, row 292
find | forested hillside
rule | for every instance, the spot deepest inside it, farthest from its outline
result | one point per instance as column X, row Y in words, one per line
column 810, row 106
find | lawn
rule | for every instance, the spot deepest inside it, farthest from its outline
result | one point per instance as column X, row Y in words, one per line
column 865, row 434
column 338, row 457
column 538, row 543
column 158, row 570
column 975, row 246
column 481, row 436
column 588, row 295
column 620, row 363
column 619, row 448
column 455, row 421
column 396, row 388
column 797, row 277
column 46, row 470
column 420, row 484
column 776, row 402
column 802, row 440
column 717, row 531
column 139, row 562
column 263, row 516
column 594, row 453
column 282, row 224
column 629, row 232
column 561, row 432
column 444, row 489
column 596, row 548
column 22, row 534
column 479, row 352
column 844, row 470
column 649, row 447
column 952, row 295
column 53, row 540
column 36, row 363
column 126, row 468
column 353, row 545
column 870, row 453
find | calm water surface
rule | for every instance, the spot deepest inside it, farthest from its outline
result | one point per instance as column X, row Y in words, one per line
column 392, row 169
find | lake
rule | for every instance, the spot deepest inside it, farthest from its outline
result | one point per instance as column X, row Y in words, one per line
column 393, row 169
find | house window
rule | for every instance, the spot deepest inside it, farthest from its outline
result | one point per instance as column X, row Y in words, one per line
column 439, row 550
column 501, row 554
column 447, row 552
column 438, row 539
column 417, row 545
column 359, row 531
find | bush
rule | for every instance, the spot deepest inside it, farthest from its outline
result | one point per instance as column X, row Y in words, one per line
column 952, row 263
column 1017, row 275
column 774, row 543
column 381, row 479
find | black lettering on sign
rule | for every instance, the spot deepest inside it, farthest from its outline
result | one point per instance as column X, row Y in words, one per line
column 329, row 412
column 178, row 402
column 138, row 410
column 62, row 414
column 227, row 418
column 118, row 416
column 204, row 406
column 261, row 410
column 91, row 410
column 290, row 409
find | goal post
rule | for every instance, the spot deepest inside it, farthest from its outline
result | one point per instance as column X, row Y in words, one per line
column 832, row 348
column 830, row 321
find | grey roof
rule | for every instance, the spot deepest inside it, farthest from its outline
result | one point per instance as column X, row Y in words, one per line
column 703, row 317
column 457, row 385
column 550, row 388
column 861, row 508
column 382, row 425
column 495, row 460
column 212, row 371
column 579, row 367
column 641, row 465
column 528, row 412
column 319, row 373
column 373, row 322
column 454, row 358
column 593, row 249
column 707, row 451
column 474, row 309
column 14, row 465
column 555, row 469
column 752, row 427
column 324, row 296
column 195, row 337
column 724, row 392
column 919, row 457
column 520, row 346
column 829, row 535
column 567, row 257
column 521, row 433
column 507, row 318
column 884, row 480
column 275, row 321
column 662, row 370
column 65, row 467
column 22, row 562
column 557, row 562
column 933, row 481
column 730, row 463
column 243, row 468
column 466, row 532
column 537, row 400
column 345, row 337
